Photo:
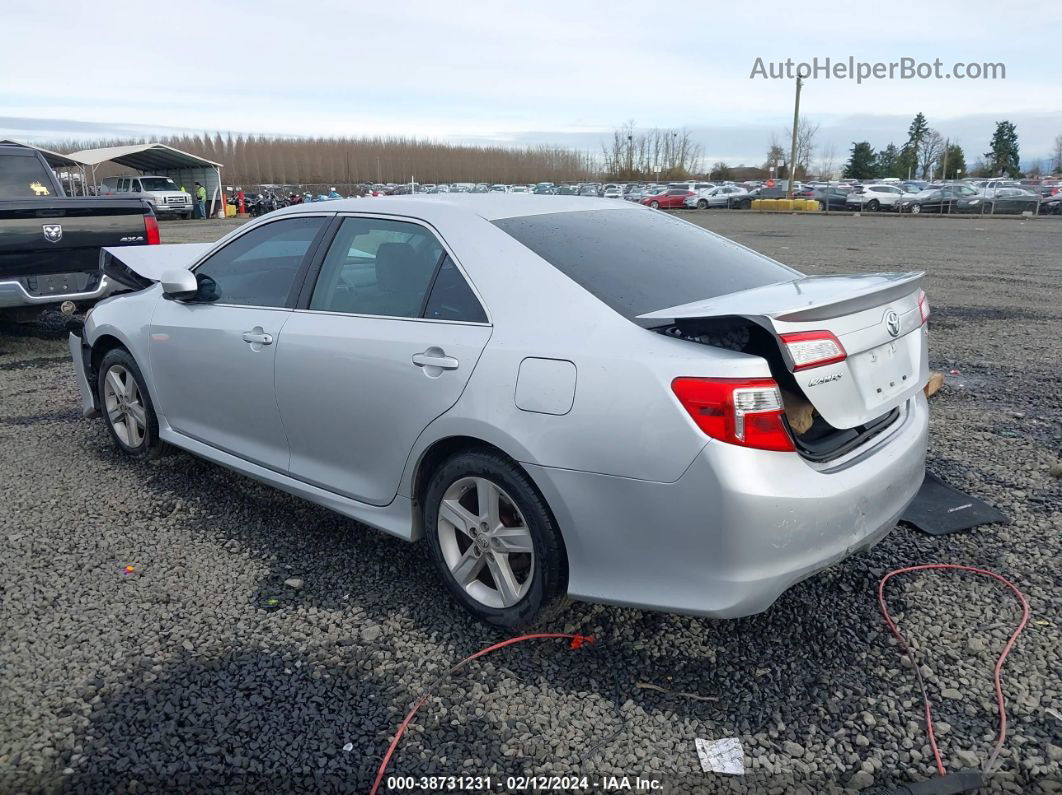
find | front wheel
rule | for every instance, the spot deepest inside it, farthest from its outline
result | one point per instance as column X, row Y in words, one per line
column 494, row 540
column 873, row 205
column 126, row 406
column 655, row 205
column 916, row 208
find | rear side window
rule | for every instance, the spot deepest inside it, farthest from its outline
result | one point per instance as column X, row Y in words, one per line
column 377, row 267
column 23, row 177
column 639, row 262
column 451, row 298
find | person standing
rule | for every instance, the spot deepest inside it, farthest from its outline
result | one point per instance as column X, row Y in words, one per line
column 200, row 201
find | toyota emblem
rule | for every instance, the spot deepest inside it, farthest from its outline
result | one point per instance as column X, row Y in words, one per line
column 892, row 323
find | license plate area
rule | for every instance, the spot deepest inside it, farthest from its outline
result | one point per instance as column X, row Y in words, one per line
column 886, row 371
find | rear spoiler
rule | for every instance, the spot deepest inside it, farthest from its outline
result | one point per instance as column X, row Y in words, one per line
column 138, row 267
column 805, row 299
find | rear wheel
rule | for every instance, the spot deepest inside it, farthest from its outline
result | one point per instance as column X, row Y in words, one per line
column 873, row 205
column 126, row 406
column 655, row 205
column 493, row 539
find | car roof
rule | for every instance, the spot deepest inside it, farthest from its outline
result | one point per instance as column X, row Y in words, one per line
column 488, row 207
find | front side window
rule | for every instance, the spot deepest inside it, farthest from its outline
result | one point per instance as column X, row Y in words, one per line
column 259, row 268
column 378, row 267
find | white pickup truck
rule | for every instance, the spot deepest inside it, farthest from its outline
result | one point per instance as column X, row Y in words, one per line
column 162, row 193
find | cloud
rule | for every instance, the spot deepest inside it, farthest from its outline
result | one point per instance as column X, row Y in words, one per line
column 511, row 72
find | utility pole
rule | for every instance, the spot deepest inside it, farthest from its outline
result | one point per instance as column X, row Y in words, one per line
column 944, row 161
column 793, row 147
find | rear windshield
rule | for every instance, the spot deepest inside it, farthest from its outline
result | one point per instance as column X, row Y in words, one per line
column 23, row 177
column 638, row 262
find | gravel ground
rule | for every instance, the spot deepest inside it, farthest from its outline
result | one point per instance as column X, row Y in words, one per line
column 183, row 676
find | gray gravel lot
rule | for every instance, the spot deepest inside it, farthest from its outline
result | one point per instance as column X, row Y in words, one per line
column 181, row 676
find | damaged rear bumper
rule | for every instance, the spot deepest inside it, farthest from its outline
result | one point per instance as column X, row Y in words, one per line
column 81, row 355
column 738, row 528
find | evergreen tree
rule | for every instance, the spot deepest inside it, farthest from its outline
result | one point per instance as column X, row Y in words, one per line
column 952, row 163
column 1003, row 159
column 889, row 162
column 863, row 162
column 909, row 154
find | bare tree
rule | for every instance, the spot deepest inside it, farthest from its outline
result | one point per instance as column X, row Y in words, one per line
column 806, row 132
column 930, row 152
column 827, row 161
column 1056, row 158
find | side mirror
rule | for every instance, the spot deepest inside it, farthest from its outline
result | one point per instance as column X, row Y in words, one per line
column 179, row 284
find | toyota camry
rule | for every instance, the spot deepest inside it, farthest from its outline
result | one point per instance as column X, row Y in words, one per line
column 562, row 397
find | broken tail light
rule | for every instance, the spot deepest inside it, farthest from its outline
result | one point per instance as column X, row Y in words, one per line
column 737, row 411
column 923, row 306
column 813, row 349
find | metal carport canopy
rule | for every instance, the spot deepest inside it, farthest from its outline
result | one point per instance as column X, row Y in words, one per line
column 158, row 159
column 144, row 158
column 55, row 160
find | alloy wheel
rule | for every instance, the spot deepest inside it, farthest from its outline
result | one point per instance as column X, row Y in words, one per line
column 124, row 406
column 486, row 542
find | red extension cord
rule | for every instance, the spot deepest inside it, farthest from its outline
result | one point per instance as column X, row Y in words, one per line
column 999, row 662
column 576, row 642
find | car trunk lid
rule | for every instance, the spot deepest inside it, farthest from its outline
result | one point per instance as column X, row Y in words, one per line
column 876, row 318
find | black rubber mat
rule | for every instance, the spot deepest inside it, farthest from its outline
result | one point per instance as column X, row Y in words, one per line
column 939, row 509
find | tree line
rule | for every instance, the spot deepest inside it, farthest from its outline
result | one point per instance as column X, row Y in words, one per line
column 262, row 160
column 926, row 154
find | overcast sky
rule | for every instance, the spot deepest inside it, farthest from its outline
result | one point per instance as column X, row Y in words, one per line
column 516, row 72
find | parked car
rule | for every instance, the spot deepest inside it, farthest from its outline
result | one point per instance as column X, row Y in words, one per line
column 481, row 187
column 567, row 190
column 50, row 243
column 874, row 197
column 518, row 189
column 162, row 193
column 669, row 199
column 831, row 199
column 1052, row 205
column 472, row 396
column 937, row 200
column 729, row 196
column 1003, row 200
column 588, row 190
column 612, row 192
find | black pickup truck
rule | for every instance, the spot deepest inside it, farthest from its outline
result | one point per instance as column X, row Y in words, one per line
column 50, row 243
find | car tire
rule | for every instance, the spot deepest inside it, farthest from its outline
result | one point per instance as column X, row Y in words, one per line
column 470, row 558
column 655, row 205
column 873, row 205
column 916, row 209
column 987, row 208
column 702, row 204
column 126, row 406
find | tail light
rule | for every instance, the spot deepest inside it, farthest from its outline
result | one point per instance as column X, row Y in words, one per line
column 151, row 230
column 737, row 411
column 923, row 306
column 813, row 349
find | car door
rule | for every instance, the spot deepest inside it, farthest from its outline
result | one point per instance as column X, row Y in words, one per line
column 385, row 338
column 212, row 358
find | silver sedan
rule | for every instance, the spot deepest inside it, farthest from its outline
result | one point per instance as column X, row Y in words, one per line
column 563, row 397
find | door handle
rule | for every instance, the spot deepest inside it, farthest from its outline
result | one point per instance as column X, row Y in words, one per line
column 435, row 357
column 258, row 336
